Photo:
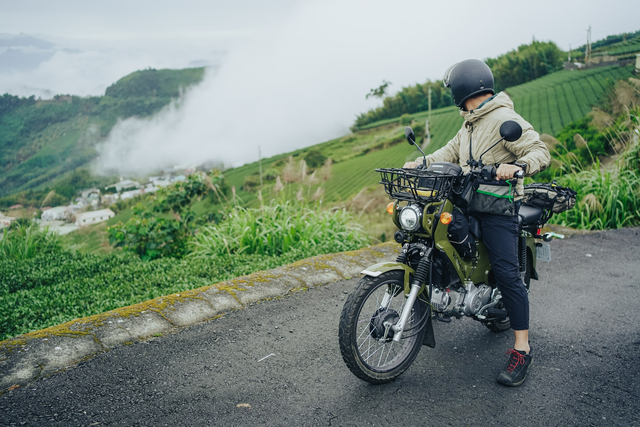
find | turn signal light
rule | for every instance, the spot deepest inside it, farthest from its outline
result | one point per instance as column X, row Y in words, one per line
column 446, row 218
column 390, row 208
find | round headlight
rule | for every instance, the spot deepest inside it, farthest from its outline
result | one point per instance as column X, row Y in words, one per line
column 410, row 218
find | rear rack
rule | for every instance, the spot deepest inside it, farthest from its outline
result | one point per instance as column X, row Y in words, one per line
column 416, row 184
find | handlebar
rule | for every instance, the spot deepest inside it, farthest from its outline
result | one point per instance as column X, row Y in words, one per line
column 489, row 173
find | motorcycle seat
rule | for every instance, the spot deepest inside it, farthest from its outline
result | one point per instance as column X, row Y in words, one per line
column 530, row 215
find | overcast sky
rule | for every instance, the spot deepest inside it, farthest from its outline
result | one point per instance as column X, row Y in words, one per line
column 292, row 73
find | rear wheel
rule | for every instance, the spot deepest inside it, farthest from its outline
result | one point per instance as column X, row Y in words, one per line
column 366, row 337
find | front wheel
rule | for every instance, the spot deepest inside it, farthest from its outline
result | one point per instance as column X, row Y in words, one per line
column 366, row 339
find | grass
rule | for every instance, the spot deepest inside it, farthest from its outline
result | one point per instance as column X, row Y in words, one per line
column 50, row 285
column 49, row 290
column 607, row 197
column 25, row 241
column 279, row 228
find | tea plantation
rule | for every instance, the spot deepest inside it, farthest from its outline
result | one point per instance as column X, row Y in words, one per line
column 549, row 104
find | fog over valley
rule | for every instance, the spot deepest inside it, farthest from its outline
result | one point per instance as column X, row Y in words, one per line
column 280, row 76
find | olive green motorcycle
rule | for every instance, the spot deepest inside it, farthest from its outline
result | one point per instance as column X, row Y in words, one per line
column 388, row 316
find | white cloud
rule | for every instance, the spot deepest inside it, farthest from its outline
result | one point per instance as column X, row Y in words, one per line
column 303, row 81
column 296, row 73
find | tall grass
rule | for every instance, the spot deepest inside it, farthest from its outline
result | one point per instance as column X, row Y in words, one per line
column 607, row 198
column 277, row 229
column 27, row 240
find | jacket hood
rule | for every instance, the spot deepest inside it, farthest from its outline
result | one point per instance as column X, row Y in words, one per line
column 500, row 100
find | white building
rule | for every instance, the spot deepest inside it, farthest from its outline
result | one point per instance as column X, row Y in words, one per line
column 53, row 214
column 150, row 188
column 93, row 217
column 107, row 199
column 130, row 194
column 91, row 193
column 5, row 221
column 72, row 209
column 123, row 185
column 162, row 182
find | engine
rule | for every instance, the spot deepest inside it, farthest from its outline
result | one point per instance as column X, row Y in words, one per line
column 464, row 301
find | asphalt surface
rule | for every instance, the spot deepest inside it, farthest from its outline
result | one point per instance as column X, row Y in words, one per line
column 278, row 363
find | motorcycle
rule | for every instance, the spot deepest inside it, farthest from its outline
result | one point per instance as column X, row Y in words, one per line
column 388, row 317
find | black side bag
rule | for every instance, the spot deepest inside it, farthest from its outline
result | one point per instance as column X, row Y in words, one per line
column 494, row 197
column 460, row 237
column 549, row 196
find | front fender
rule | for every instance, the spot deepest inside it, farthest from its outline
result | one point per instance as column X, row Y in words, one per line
column 382, row 267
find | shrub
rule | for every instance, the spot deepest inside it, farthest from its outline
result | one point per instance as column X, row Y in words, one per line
column 270, row 175
column 405, row 119
column 279, row 229
column 314, row 158
column 607, row 198
column 25, row 241
column 49, row 290
column 163, row 227
column 251, row 182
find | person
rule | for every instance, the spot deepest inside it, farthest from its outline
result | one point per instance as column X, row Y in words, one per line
column 472, row 88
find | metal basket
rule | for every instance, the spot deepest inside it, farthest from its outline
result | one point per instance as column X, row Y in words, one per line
column 416, row 185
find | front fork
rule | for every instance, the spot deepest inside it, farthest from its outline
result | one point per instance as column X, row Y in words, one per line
column 419, row 280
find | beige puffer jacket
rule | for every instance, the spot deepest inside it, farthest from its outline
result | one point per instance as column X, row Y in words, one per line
column 485, row 122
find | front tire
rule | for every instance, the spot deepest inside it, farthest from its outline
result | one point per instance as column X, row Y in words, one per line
column 365, row 343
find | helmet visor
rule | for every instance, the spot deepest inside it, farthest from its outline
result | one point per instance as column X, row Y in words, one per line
column 446, row 79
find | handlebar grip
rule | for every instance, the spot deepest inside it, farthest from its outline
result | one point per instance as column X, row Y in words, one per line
column 489, row 173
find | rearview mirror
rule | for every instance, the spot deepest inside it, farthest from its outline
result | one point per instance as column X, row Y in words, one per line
column 411, row 138
column 510, row 131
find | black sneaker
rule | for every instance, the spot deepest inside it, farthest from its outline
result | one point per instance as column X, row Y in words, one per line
column 516, row 371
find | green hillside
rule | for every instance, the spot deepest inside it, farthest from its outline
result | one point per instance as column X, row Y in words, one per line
column 549, row 103
column 622, row 46
column 42, row 141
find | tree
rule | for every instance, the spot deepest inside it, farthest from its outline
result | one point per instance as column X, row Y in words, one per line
column 163, row 227
column 380, row 91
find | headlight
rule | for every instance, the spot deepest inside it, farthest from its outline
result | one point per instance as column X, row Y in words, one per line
column 410, row 218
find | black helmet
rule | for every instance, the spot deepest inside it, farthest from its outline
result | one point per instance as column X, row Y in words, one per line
column 468, row 78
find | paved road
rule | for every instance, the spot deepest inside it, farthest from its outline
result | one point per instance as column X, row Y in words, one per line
column 585, row 334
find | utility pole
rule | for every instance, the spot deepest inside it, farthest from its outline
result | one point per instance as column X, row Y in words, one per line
column 587, row 48
column 426, row 127
column 569, row 52
column 429, row 102
column 260, row 165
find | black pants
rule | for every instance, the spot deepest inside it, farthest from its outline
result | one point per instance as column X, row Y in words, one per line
column 500, row 235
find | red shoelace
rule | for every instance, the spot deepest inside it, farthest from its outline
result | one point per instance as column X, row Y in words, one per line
column 515, row 361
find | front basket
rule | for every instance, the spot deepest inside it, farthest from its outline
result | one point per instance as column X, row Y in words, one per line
column 416, row 184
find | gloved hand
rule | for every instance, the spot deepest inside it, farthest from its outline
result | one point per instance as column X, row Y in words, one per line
column 506, row 171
